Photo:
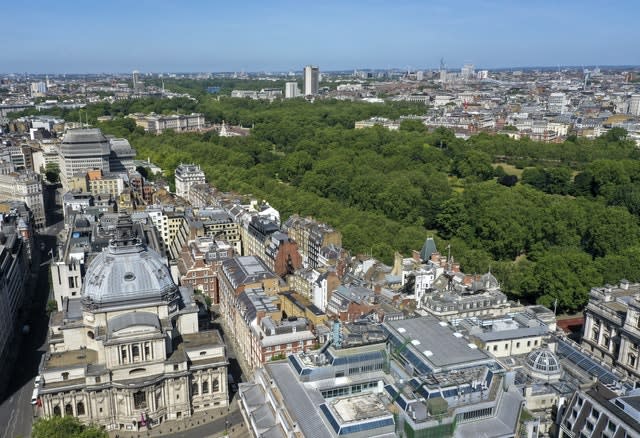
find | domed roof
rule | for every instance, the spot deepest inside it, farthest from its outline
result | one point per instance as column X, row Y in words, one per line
column 127, row 273
column 543, row 361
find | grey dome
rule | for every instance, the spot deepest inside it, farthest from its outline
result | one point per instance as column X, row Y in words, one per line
column 543, row 363
column 127, row 273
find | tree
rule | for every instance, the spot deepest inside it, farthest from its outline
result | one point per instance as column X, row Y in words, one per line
column 473, row 163
column 52, row 172
column 65, row 427
column 566, row 275
column 413, row 125
column 143, row 171
column 508, row 180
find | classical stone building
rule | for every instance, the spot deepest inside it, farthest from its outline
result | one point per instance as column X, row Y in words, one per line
column 612, row 326
column 127, row 353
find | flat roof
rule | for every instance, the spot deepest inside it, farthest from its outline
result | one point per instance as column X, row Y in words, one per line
column 359, row 407
column 71, row 358
column 435, row 343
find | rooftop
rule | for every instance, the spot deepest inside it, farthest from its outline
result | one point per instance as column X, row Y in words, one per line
column 360, row 407
column 435, row 342
column 71, row 358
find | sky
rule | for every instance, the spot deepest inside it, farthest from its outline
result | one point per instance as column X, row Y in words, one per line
column 89, row 36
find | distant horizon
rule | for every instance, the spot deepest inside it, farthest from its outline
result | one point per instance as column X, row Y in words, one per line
column 345, row 70
column 284, row 35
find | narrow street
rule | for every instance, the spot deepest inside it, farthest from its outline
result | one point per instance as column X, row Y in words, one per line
column 16, row 411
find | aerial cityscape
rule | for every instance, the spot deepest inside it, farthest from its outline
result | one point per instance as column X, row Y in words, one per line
column 415, row 220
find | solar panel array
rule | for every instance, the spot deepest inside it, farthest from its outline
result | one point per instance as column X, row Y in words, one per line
column 587, row 363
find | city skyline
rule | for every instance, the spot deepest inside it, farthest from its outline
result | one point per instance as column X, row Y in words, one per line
column 285, row 36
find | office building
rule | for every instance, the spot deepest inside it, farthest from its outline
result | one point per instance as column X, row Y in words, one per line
column 291, row 90
column 82, row 150
column 634, row 105
column 15, row 253
column 186, row 176
column 311, row 80
column 612, row 326
column 602, row 412
column 558, row 103
column 25, row 187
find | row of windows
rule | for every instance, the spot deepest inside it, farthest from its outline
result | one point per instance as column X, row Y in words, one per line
column 506, row 346
column 195, row 387
column 347, row 390
column 136, row 353
column 68, row 410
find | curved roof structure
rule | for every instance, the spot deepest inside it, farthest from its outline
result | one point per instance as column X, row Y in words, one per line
column 84, row 142
column 133, row 319
column 127, row 272
column 544, row 364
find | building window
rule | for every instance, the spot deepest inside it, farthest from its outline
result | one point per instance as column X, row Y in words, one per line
column 631, row 360
column 123, row 354
column 194, row 388
column 495, row 348
column 135, row 353
column 140, row 400
column 80, row 408
column 147, row 350
column 68, row 409
column 205, row 387
column 56, row 411
column 90, row 335
column 65, row 376
column 215, row 386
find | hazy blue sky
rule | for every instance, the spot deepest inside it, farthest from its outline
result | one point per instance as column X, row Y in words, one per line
column 183, row 35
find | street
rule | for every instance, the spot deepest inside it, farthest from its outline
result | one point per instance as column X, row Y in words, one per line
column 16, row 411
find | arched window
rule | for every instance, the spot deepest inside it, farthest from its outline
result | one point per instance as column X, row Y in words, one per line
column 80, row 408
column 205, row 387
column 194, row 388
column 215, row 386
column 68, row 409
column 56, row 411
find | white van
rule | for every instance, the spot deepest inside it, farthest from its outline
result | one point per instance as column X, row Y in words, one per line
column 34, row 396
column 38, row 381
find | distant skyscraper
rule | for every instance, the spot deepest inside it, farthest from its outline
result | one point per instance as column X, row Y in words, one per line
column 634, row 105
column 558, row 102
column 443, row 71
column 291, row 90
column 467, row 72
column 38, row 89
column 311, row 80
column 136, row 79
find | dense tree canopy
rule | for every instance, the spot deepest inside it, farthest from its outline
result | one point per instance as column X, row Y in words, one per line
column 570, row 224
column 65, row 427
